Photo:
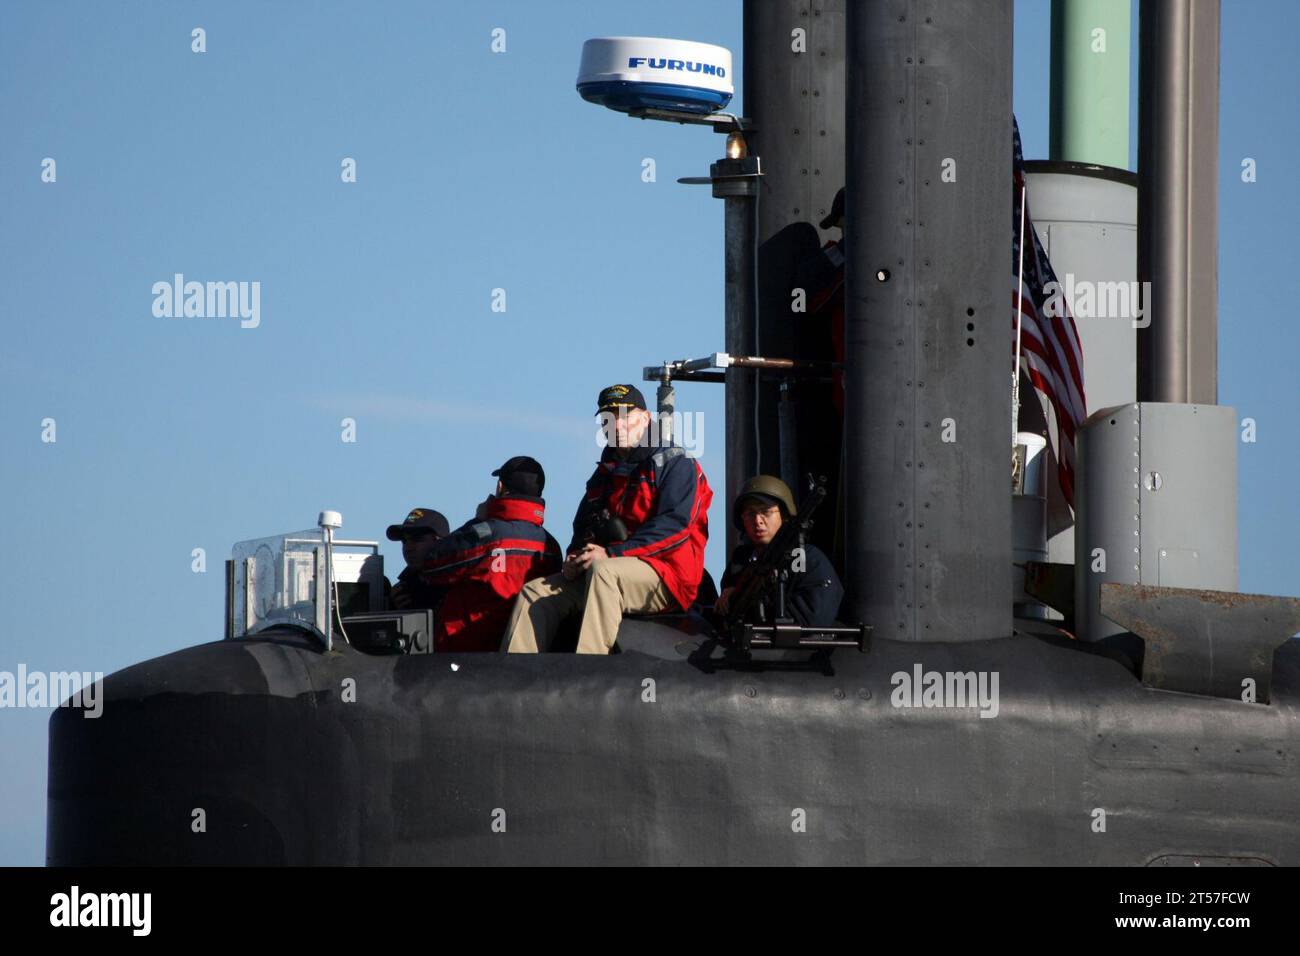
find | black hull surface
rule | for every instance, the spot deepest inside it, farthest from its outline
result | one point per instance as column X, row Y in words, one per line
column 561, row 759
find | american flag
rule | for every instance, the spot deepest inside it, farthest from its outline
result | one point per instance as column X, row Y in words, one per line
column 1050, row 353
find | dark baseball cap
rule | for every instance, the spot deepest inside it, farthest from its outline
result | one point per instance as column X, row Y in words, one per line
column 620, row 397
column 522, row 476
column 424, row 519
column 836, row 217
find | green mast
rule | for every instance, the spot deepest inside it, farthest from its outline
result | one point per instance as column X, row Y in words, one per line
column 1090, row 81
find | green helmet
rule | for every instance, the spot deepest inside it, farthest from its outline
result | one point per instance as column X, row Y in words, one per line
column 764, row 487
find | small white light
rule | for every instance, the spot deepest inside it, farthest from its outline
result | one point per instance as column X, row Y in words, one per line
column 736, row 146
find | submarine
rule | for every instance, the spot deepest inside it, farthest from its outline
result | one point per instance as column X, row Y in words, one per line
column 1029, row 685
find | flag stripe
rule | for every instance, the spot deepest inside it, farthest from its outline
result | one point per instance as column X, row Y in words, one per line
column 1030, row 329
column 1050, row 352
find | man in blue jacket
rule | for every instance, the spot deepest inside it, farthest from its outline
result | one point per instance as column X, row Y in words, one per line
column 638, row 538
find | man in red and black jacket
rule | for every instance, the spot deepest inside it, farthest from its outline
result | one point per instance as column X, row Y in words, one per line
column 484, row 563
column 638, row 538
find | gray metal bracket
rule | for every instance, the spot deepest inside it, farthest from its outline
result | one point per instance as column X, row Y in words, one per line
column 721, row 122
column 1212, row 643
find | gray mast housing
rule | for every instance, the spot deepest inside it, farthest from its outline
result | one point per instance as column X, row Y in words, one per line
column 794, row 97
column 1161, row 503
column 1086, row 217
column 1178, row 200
column 1157, row 503
column 928, row 520
column 796, row 103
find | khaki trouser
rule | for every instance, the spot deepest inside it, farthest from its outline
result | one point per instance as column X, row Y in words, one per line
column 608, row 588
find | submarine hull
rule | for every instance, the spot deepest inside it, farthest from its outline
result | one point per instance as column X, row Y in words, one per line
column 273, row 752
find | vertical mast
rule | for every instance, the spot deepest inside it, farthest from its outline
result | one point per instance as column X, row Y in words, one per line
column 928, row 347
column 794, row 94
column 1090, row 81
column 1178, row 208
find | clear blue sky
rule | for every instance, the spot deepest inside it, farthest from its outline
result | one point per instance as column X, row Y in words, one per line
column 475, row 171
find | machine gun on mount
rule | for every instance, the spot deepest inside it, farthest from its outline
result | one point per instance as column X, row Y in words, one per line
column 760, row 592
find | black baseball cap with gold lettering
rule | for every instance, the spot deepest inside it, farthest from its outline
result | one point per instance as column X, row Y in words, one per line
column 619, row 398
column 420, row 519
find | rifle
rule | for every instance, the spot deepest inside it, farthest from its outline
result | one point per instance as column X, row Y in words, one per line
column 769, row 572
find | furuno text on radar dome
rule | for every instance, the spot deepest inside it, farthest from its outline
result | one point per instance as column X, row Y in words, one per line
column 630, row 73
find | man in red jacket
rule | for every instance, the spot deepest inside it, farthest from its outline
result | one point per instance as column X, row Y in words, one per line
column 638, row 538
column 483, row 564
